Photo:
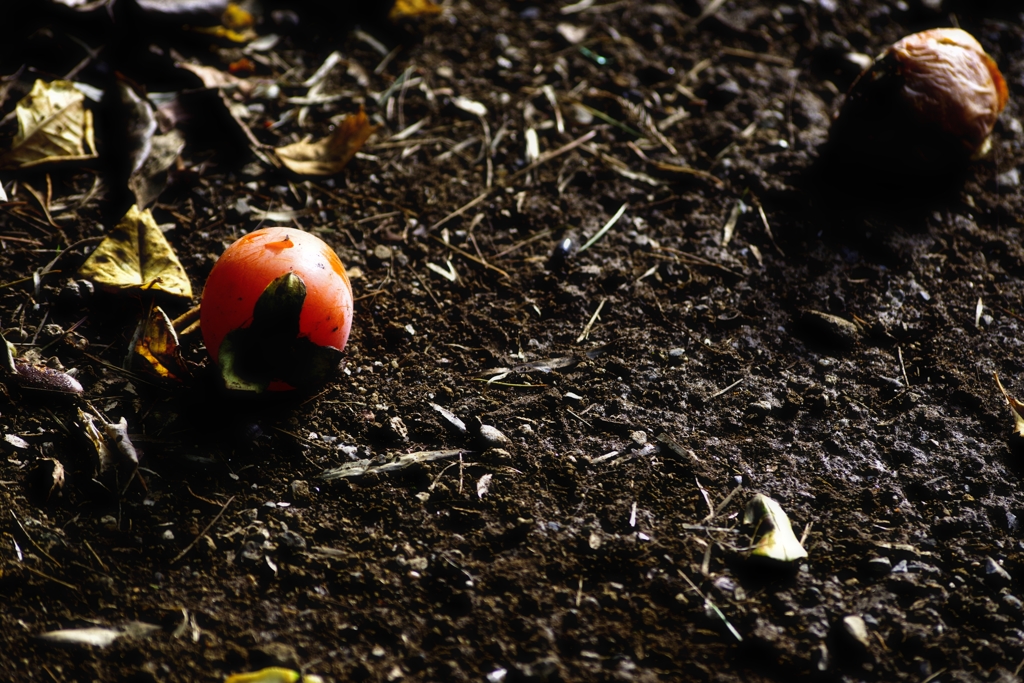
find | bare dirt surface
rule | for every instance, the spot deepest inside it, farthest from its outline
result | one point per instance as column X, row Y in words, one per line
column 652, row 383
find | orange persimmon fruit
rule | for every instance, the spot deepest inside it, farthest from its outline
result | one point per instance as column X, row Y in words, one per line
column 926, row 106
column 276, row 311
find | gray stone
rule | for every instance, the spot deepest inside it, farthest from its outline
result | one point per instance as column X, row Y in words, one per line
column 830, row 329
column 855, row 632
column 879, row 566
column 995, row 574
column 300, row 491
column 491, row 437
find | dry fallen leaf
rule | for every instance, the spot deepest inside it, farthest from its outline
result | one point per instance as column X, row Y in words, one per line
column 404, row 9
column 156, row 343
column 53, row 125
column 136, row 256
column 149, row 180
column 212, row 77
column 328, row 155
column 773, row 533
column 104, row 457
column 98, row 636
column 85, row 5
column 150, row 153
column 235, row 25
column 114, row 453
column 178, row 7
column 1016, row 407
column 35, row 377
column 274, row 674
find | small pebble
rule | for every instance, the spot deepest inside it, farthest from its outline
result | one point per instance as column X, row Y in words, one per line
column 291, row 541
column 879, row 566
column 995, row 574
column 1009, row 179
column 830, row 329
column 300, row 492
column 491, row 437
column 275, row 654
column 856, row 630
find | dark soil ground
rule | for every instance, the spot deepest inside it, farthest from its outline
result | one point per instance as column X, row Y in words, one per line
column 653, row 383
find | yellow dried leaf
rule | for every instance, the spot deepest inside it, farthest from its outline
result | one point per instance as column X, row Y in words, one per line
column 1016, row 407
column 328, row 155
column 236, row 18
column 274, row 674
column 156, row 343
column 773, row 533
column 211, row 77
column 403, row 9
column 136, row 256
column 53, row 125
column 243, row 36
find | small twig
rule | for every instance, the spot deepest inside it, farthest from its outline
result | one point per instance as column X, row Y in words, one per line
column 756, row 56
column 721, row 506
column 807, row 531
column 542, row 159
column 703, row 527
column 32, row 541
column 607, row 226
column 767, row 227
column 519, row 245
column 581, row 419
column 51, row 578
column 712, row 607
column 590, row 324
column 62, row 335
column 96, row 556
column 471, row 257
column 710, row 9
column 728, row 388
column 203, row 532
column 903, row 368
column 942, row 671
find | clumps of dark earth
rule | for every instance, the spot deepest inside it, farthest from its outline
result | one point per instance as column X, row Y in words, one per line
column 534, row 461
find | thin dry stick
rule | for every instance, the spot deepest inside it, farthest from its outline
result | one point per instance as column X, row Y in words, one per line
column 542, row 159
column 607, row 226
column 202, row 533
column 711, row 8
column 767, row 227
column 728, row 388
column 105, row 568
column 725, row 501
column 32, row 540
column 519, row 245
column 471, row 257
column 590, row 324
column 51, row 578
column 756, row 56
column 906, row 380
column 707, row 498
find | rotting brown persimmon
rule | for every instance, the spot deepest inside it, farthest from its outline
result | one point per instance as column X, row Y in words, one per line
column 276, row 311
column 927, row 105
